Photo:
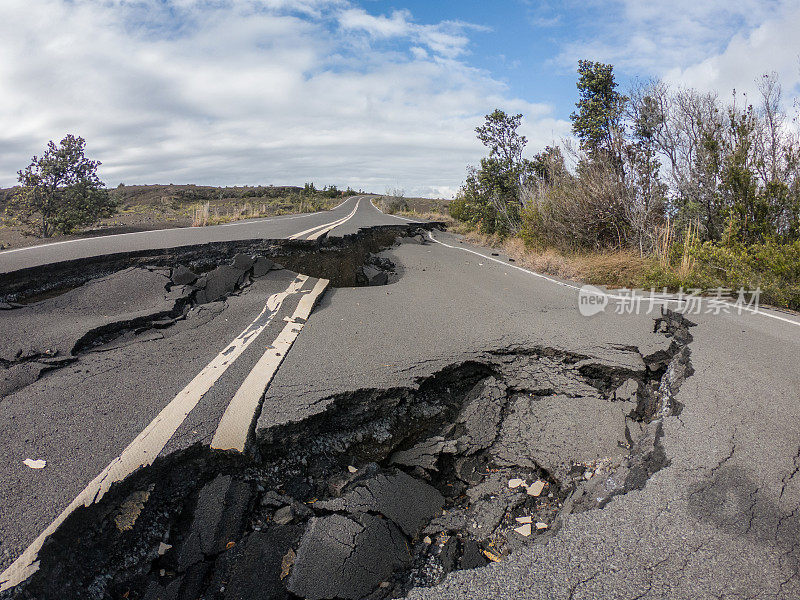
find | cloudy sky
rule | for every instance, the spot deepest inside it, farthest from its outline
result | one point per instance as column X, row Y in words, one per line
column 369, row 93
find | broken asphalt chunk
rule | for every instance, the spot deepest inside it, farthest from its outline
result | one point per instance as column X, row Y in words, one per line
column 258, row 566
column 408, row 502
column 219, row 516
column 375, row 276
column 263, row 266
column 472, row 557
column 183, row 276
column 243, row 262
column 425, row 454
column 219, row 283
column 346, row 557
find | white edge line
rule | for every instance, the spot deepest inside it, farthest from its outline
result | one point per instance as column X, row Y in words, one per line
column 395, row 216
column 754, row 311
column 144, row 449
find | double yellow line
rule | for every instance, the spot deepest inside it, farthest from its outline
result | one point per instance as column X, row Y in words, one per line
column 321, row 230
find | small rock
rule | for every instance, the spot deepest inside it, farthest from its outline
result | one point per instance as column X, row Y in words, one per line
column 515, row 483
column 527, row 519
column 35, row 464
column 535, row 489
column 490, row 556
column 541, row 525
column 273, row 499
column 472, row 558
column 162, row 548
column 524, row 530
column 352, row 469
column 283, row 516
column 286, row 563
column 427, row 540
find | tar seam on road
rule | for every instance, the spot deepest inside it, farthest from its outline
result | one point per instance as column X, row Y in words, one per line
column 237, row 422
column 325, row 227
column 150, row 442
column 754, row 311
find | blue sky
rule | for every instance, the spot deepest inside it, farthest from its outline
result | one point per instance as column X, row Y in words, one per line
column 367, row 93
column 520, row 45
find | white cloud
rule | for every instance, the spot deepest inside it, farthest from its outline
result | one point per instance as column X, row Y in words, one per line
column 398, row 24
column 447, row 38
column 711, row 45
column 247, row 91
column 771, row 46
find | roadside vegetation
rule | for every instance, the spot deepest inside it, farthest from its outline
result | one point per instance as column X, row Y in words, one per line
column 394, row 202
column 224, row 205
column 667, row 188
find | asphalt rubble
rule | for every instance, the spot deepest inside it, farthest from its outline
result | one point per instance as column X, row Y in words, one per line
column 386, row 489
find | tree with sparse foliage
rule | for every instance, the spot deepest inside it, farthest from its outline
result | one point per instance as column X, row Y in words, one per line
column 60, row 191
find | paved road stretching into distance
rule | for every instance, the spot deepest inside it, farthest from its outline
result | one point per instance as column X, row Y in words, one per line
column 300, row 226
column 719, row 518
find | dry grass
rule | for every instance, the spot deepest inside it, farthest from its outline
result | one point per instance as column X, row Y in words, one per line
column 619, row 268
column 664, row 237
column 219, row 213
column 689, row 241
column 429, row 216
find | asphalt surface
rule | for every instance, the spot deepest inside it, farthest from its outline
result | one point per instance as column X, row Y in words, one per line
column 272, row 228
column 720, row 521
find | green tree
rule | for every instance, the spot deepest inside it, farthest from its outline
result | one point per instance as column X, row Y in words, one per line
column 61, row 192
column 597, row 122
column 499, row 134
column 309, row 189
column 490, row 198
column 548, row 165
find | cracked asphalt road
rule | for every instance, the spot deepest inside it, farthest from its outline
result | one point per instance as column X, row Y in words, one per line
column 722, row 520
column 272, row 228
